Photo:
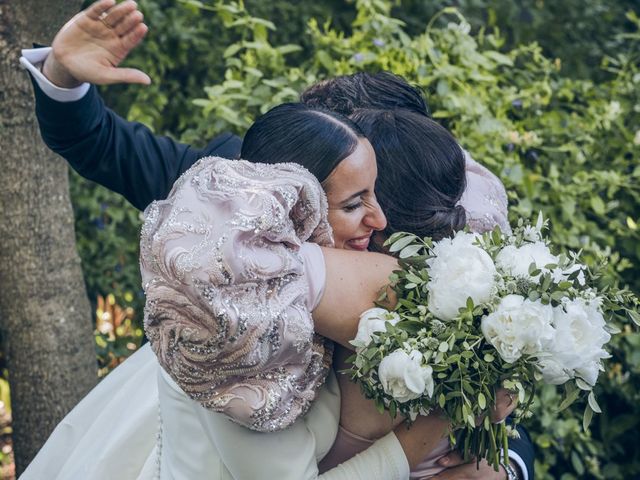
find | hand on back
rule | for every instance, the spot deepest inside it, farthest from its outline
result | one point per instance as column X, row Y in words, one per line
column 92, row 44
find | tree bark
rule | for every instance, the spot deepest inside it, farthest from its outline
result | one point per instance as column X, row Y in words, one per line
column 45, row 316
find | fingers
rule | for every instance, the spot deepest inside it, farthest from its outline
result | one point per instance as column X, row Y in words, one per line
column 471, row 471
column 129, row 22
column 95, row 10
column 506, row 402
column 452, row 459
column 125, row 75
column 118, row 13
column 134, row 36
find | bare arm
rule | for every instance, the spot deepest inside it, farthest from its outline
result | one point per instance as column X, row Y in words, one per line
column 354, row 281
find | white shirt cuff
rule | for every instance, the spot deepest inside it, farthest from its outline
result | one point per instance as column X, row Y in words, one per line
column 515, row 458
column 31, row 57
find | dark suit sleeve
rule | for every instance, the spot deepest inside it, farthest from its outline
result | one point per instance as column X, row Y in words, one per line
column 524, row 448
column 123, row 156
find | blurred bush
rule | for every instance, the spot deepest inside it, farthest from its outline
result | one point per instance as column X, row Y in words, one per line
column 564, row 141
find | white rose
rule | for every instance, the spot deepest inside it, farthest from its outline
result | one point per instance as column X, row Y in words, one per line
column 553, row 372
column 459, row 270
column 578, row 341
column 515, row 261
column 404, row 377
column 518, row 327
column 371, row 321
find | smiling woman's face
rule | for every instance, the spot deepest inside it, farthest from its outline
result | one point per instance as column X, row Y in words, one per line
column 354, row 213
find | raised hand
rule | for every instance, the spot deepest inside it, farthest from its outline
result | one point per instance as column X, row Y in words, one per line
column 92, row 44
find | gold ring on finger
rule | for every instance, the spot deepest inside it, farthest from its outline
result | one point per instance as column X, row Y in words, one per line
column 103, row 18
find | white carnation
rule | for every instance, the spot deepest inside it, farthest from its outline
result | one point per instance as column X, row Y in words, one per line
column 518, row 327
column 577, row 346
column 372, row 321
column 515, row 261
column 404, row 377
column 458, row 271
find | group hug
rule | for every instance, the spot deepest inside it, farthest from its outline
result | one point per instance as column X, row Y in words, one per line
column 259, row 256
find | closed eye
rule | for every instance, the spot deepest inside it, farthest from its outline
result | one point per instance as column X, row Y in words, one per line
column 352, row 207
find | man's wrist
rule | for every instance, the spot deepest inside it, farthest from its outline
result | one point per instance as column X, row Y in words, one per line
column 512, row 470
column 57, row 74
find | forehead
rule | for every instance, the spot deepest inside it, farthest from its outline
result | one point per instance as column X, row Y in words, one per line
column 356, row 172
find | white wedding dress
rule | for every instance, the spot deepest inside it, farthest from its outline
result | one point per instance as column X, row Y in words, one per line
column 116, row 433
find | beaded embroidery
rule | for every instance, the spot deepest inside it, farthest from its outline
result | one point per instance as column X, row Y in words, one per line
column 226, row 311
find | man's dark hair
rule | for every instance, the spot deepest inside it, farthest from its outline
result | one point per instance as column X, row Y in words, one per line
column 382, row 90
column 315, row 138
column 421, row 172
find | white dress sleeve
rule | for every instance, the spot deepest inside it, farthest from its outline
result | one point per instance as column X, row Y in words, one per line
column 200, row 443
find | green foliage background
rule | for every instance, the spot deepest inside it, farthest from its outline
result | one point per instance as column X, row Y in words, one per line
column 546, row 94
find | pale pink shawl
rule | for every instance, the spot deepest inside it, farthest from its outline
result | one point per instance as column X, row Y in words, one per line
column 227, row 311
column 485, row 199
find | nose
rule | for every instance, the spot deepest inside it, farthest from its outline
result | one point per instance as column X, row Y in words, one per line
column 375, row 218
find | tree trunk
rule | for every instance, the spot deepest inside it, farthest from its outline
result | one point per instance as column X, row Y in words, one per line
column 45, row 316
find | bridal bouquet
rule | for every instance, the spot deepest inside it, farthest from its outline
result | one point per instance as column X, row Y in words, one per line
column 479, row 312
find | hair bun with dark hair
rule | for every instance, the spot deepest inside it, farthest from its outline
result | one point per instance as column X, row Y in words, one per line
column 443, row 222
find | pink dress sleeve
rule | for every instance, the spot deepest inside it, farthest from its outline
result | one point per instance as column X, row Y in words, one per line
column 315, row 271
column 230, row 285
column 485, row 199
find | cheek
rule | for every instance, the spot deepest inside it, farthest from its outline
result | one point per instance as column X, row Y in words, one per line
column 345, row 226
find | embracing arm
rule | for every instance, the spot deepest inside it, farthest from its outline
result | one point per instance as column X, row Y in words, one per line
column 125, row 157
column 354, row 281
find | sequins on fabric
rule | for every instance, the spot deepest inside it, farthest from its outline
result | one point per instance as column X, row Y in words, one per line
column 485, row 199
column 226, row 310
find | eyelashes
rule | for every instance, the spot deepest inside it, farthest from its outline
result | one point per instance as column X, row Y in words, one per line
column 353, row 207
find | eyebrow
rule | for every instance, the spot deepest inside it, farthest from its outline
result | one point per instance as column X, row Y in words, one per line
column 357, row 194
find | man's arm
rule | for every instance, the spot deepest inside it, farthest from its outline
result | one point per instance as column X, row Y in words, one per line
column 123, row 156
column 521, row 453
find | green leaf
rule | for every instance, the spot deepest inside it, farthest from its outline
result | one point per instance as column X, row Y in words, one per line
column 635, row 316
column 582, row 385
column 597, row 205
column 570, row 398
column 482, row 401
column 410, row 251
column 586, row 418
column 400, row 244
column 593, row 403
column 231, row 50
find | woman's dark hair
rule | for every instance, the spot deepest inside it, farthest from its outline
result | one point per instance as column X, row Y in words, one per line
column 421, row 172
column 293, row 132
column 382, row 90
